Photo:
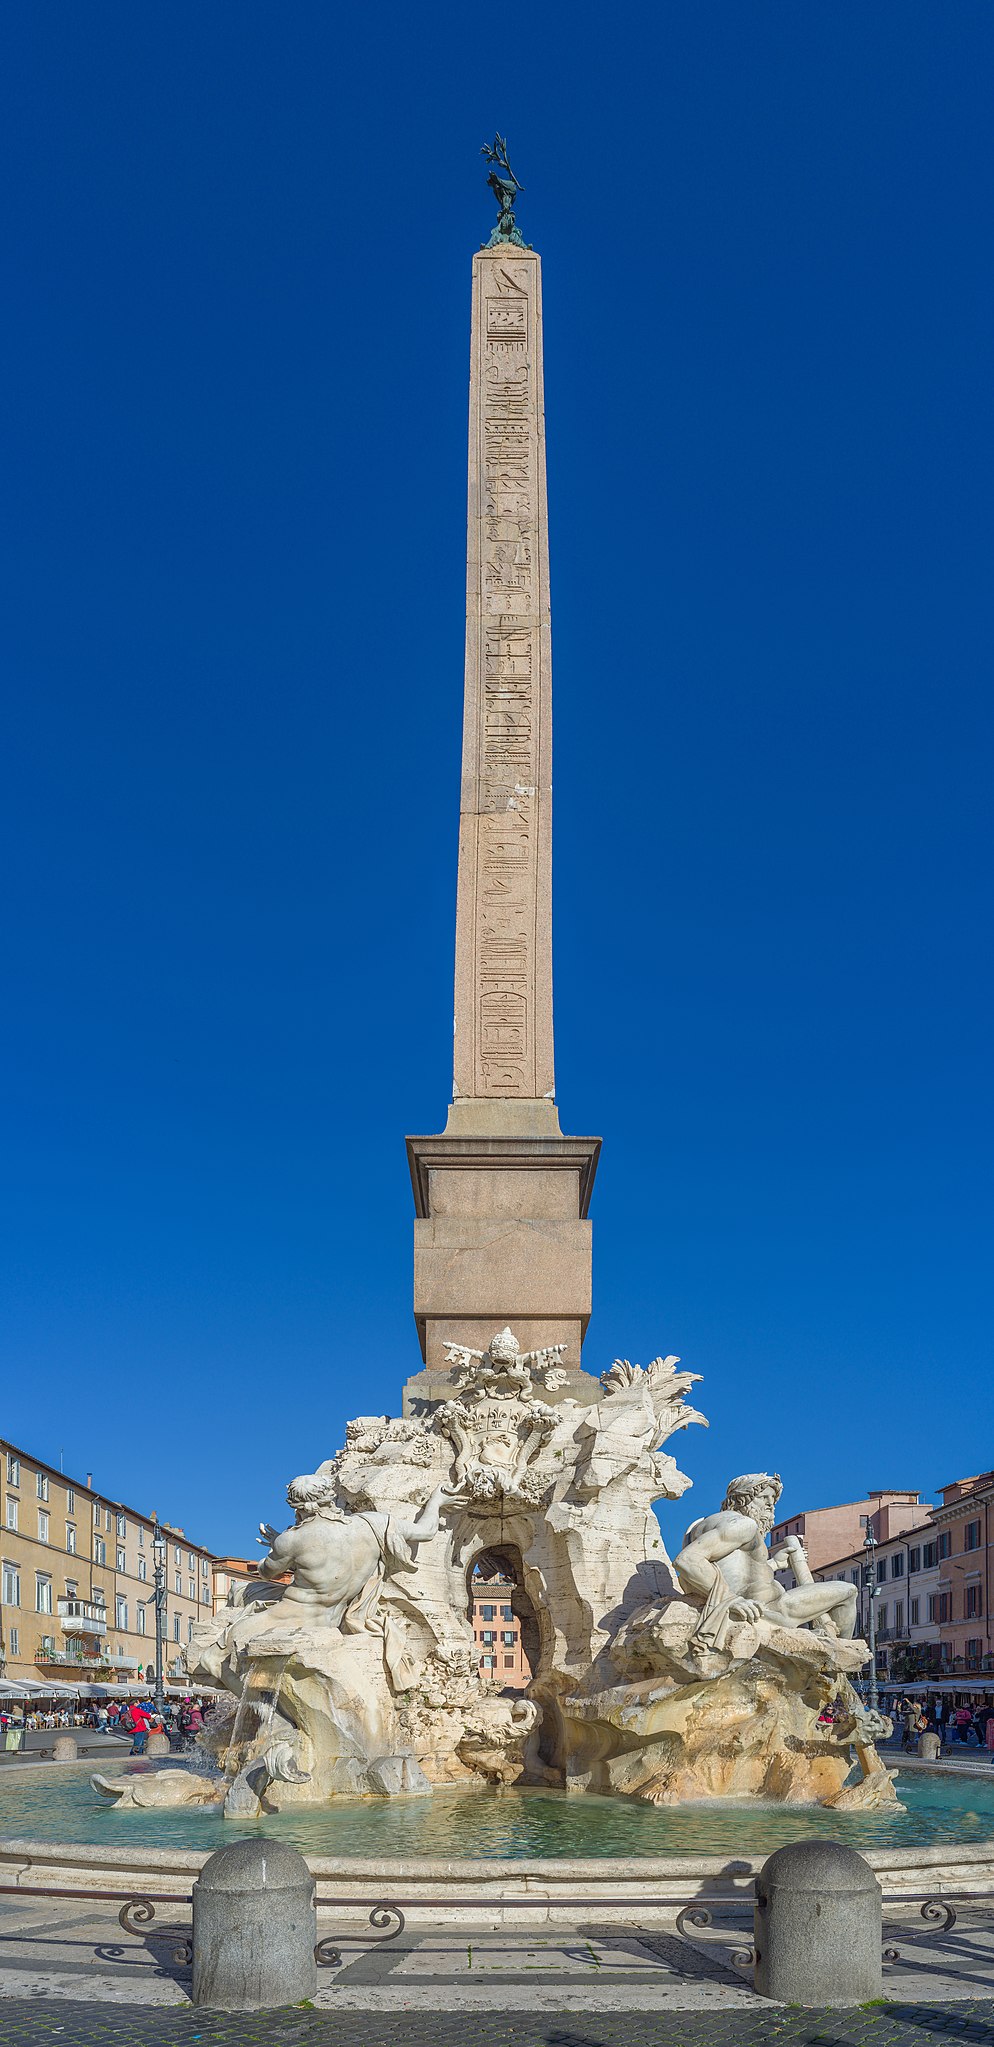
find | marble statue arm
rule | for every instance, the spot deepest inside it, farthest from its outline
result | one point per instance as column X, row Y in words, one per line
column 281, row 1555
column 696, row 1566
column 791, row 1556
column 426, row 1525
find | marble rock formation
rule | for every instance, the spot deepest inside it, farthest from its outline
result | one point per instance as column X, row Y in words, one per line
column 740, row 1687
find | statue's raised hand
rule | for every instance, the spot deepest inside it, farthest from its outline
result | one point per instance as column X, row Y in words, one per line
column 267, row 1533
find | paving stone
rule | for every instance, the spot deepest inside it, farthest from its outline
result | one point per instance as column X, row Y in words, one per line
column 44, row 2022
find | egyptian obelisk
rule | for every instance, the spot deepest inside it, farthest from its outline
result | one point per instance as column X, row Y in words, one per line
column 501, row 1195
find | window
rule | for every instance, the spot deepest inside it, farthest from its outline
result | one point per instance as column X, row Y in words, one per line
column 99, row 1550
column 141, row 1536
column 914, row 1559
column 973, row 1606
column 121, row 1560
column 943, row 1607
column 882, row 1617
column 971, row 1537
column 509, row 1663
column 974, row 1648
column 945, row 1544
column 121, row 1614
column 881, row 1569
column 189, row 1630
column 488, row 1613
column 142, row 1570
column 11, row 1512
column 70, row 1500
column 897, row 1565
column 11, row 1585
column 42, row 1485
column 177, row 1554
column 140, row 1618
column 122, row 1527
column 193, row 1588
column 191, row 1561
column 15, row 1641
column 930, row 1555
column 914, row 1606
column 178, row 1582
column 96, row 1514
column 70, row 1539
column 507, row 1613
column 175, row 1627
column 13, row 1469
column 488, row 1635
column 488, row 1662
column 71, row 1588
column 899, row 1617
column 508, row 1637
column 42, row 1525
column 43, row 1593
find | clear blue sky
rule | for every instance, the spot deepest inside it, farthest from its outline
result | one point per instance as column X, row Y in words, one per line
column 234, row 382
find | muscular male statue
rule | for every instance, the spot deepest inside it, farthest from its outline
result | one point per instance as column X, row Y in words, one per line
column 334, row 1557
column 726, row 1564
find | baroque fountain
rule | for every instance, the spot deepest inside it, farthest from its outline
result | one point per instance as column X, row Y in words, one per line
column 351, row 1667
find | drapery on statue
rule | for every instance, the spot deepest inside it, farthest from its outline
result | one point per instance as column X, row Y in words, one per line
column 505, row 188
column 726, row 1564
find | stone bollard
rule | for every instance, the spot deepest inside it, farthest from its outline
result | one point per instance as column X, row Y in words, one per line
column 65, row 1749
column 158, row 1743
column 254, row 1928
column 818, row 1926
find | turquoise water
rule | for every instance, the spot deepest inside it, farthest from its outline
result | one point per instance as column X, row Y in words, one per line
column 61, row 1806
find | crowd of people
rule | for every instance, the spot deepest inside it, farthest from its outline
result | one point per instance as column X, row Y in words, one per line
column 181, row 1720
column 929, row 1730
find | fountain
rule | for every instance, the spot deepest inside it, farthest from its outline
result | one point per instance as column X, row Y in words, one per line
column 654, row 1680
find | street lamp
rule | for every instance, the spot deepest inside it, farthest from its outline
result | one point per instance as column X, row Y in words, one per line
column 159, row 1548
column 870, row 1580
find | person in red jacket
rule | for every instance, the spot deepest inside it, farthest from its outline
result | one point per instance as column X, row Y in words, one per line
column 140, row 1724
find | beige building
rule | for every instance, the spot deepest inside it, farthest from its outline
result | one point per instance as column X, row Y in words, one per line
column 77, row 1580
column 905, row 1589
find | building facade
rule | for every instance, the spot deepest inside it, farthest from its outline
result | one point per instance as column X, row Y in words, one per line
column 904, row 1576
column 77, row 1580
column 964, row 1526
column 497, row 1631
column 833, row 1532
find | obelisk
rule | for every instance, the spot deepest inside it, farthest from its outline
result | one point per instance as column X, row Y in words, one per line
column 501, row 1196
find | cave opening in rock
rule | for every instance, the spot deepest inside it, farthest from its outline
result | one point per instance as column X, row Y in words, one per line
column 505, row 1628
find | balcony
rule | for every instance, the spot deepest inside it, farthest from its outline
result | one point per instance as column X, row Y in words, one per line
column 78, row 1659
column 78, row 1618
column 118, row 1661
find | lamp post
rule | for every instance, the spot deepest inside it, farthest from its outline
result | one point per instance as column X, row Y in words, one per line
column 159, row 1575
column 870, row 1580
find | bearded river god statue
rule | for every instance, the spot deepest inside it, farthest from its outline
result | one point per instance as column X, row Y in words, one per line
column 351, row 1665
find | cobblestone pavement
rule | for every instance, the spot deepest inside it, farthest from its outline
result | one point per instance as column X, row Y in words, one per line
column 41, row 2022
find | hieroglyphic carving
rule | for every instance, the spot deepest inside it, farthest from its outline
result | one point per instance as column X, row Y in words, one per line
column 504, row 675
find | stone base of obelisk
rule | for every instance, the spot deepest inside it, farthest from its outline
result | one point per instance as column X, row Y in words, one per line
column 501, row 1234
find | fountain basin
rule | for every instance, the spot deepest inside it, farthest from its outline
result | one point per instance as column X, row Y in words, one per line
column 621, row 1858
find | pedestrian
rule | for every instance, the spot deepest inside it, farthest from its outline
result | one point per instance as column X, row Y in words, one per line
column 910, row 1715
column 140, row 1724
